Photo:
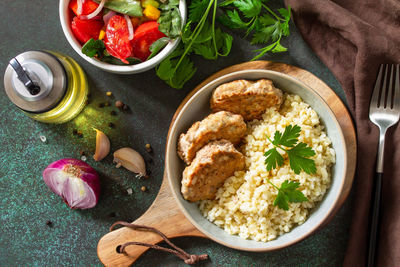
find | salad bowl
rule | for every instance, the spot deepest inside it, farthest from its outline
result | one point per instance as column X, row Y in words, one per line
column 65, row 19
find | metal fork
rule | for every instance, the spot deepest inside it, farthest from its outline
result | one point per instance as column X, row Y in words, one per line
column 384, row 111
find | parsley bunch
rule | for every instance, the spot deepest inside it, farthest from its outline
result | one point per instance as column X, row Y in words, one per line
column 201, row 36
column 266, row 28
column 298, row 154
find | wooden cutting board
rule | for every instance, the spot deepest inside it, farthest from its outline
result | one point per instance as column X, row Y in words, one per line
column 165, row 215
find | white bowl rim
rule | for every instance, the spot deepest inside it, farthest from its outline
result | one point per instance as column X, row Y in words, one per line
column 121, row 69
column 312, row 229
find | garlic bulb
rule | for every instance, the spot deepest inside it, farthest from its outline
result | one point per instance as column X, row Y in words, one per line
column 131, row 160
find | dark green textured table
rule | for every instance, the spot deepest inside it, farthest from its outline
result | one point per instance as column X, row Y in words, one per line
column 26, row 204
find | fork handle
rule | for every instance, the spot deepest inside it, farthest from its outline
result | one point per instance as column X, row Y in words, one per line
column 373, row 238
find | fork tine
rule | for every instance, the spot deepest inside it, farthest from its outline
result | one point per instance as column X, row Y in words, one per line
column 396, row 101
column 383, row 89
column 377, row 88
column 390, row 89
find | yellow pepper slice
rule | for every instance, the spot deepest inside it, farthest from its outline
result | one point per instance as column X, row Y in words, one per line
column 102, row 34
column 151, row 12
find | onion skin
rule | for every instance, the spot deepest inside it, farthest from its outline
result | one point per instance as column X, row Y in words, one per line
column 94, row 13
column 75, row 181
column 108, row 16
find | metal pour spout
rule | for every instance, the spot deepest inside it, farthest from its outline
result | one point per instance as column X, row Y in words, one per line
column 33, row 88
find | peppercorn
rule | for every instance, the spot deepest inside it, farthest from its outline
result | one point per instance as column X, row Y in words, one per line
column 125, row 107
column 107, row 104
column 148, row 148
column 143, row 188
column 109, row 93
column 101, row 105
column 113, row 113
column 80, row 134
column 119, row 104
column 74, row 131
column 82, row 153
column 111, row 125
column 49, row 223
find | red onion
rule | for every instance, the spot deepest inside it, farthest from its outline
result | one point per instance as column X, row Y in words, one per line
column 130, row 27
column 75, row 181
column 94, row 13
column 108, row 16
column 79, row 10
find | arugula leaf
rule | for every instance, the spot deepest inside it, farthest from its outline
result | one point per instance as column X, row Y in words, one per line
column 298, row 153
column 128, row 7
column 170, row 21
column 158, row 45
column 273, row 159
column 288, row 192
column 93, row 47
column 249, row 8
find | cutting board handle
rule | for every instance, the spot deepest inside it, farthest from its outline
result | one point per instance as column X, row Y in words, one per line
column 164, row 215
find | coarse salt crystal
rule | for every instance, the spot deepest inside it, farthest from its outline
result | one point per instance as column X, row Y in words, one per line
column 83, row 158
column 129, row 191
column 43, row 138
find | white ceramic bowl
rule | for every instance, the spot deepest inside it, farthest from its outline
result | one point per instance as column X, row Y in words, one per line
column 129, row 69
column 197, row 107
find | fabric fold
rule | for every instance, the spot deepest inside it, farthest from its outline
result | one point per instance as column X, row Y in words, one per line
column 353, row 38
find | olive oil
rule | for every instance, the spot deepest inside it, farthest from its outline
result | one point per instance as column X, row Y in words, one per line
column 62, row 82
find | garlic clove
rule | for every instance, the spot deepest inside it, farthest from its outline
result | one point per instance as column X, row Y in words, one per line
column 131, row 160
column 102, row 146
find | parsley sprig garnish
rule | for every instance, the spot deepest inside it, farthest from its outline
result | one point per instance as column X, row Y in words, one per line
column 298, row 154
column 288, row 192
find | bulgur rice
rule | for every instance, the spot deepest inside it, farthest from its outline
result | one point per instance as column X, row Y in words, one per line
column 244, row 204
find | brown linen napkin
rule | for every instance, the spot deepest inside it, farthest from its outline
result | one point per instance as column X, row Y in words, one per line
column 353, row 37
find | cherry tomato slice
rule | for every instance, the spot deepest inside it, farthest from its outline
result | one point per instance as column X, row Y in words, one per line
column 117, row 38
column 145, row 35
column 86, row 29
column 88, row 7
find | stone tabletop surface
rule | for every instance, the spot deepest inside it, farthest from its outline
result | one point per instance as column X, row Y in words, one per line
column 26, row 204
